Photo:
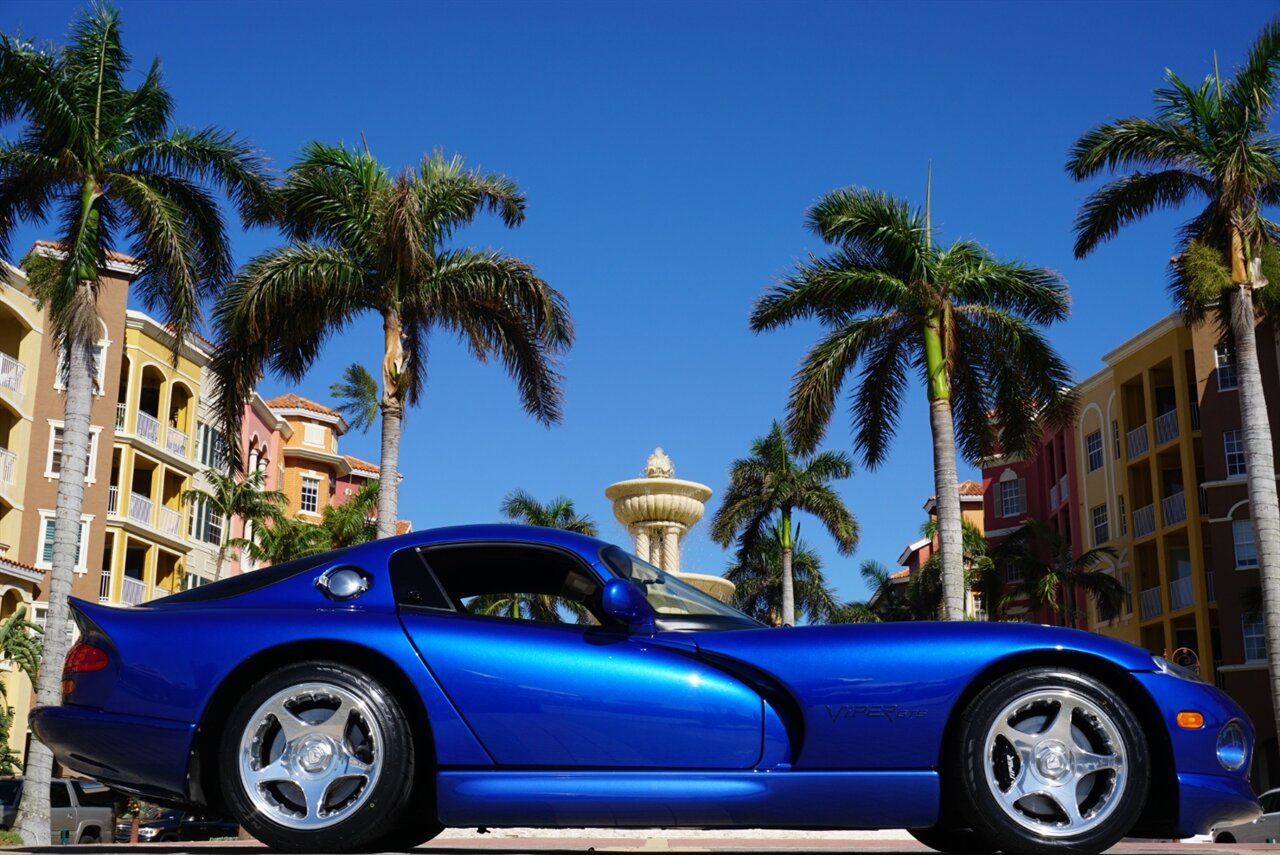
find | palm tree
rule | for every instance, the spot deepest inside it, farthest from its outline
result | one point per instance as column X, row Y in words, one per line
column 757, row 575
column 924, row 591
column 105, row 158
column 888, row 600
column 285, row 538
column 774, row 481
column 352, row 521
column 894, row 303
column 357, row 394
column 230, row 496
column 1210, row 143
column 1051, row 575
column 19, row 644
column 362, row 241
column 557, row 513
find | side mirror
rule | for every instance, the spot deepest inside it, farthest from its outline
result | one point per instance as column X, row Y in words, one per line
column 624, row 601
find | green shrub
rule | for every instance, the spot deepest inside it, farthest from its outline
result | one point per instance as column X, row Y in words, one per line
column 10, row 838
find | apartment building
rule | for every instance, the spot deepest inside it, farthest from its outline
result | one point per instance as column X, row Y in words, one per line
column 315, row 474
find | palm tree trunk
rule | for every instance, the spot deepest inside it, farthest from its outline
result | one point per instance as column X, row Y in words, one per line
column 392, row 413
column 33, row 823
column 1260, row 467
column 788, row 583
column 947, row 495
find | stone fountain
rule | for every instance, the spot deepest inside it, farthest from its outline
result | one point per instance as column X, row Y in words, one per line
column 658, row 510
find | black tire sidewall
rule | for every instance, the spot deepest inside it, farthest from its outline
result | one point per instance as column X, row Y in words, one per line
column 390, row 794
column 986, row 814
column 952, row 841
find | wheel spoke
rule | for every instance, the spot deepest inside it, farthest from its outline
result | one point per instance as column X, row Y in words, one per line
column 1060, row 727
column 336, row 724
column 354, row 767
column 1086, row 763
column 314, row 791
column 290, row 725
column 1065, row 799
column 1020, row 741
column 271, row 773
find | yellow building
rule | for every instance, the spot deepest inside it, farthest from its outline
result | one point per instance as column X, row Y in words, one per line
column 315, row 475
column 1140, row 460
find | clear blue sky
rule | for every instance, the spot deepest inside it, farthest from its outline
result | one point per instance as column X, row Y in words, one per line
column 669, row 152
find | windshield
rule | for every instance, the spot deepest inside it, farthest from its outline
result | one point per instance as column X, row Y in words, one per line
column 667, row 595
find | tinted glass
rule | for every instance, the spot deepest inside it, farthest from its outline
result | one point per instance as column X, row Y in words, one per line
column 667, row 595
column 58, row 795
column 1270, row 803
column 93, row 793
column 9, row 792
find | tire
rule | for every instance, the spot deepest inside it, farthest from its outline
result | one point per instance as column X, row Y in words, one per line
column 952, row 841
column 1225, row 838
column 1034, row 782
column 90, row 837
column 341, row 782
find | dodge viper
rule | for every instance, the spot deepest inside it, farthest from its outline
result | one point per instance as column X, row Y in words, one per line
column 514, row 676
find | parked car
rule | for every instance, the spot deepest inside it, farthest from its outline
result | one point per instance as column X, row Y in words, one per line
column 81, row 809
column 167, row 825
column 514, row 676
column 1264, row 829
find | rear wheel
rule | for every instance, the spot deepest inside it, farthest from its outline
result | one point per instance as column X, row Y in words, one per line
column 952, row 840
column 90, row 837
column 317, row 756
column 1051, row 762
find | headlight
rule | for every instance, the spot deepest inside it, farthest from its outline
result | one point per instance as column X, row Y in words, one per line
column 1173, row 669
column 1232, row 750
column 148, row 833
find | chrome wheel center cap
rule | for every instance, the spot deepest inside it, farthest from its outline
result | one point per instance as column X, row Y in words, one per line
column 315, row 753
column 1053, row 760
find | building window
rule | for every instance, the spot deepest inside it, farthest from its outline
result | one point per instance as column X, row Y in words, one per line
column 193, row 580
column 1013, row 573
column 211, row 449
column 1115, row 437
column 1226, row 367
column 1093, row 450
column 1233, row 444
column 53, row 464
column 1246, row 546
column 1101, row 530
column 99, row 369
column 44, row 554
column 1128, row 594
column 1013, row 497
column 206, row 523
column 310, row 495
column 313, row 434
column 1124, row 522
column 1255, row 641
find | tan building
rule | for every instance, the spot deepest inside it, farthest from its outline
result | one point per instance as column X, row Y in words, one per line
column 315, row 474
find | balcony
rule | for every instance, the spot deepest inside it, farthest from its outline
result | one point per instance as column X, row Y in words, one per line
column 104, row 590
column 113, row 501
column 1137, row 441
column 1180, row 593
column 120, row 411
column 1144, row 521
column 1211, row 586
column 11, row 373
column 175, row 442
column 1053, row 496
column 1167, row 427
column 140, row 508
column 1195, row 415
column 1150, row 604
column 171, row 521
column 149, row 428
column 7, row 461
column 132, row 591
column 1173, row 509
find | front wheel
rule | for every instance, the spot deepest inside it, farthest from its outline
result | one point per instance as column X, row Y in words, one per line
column 1052, row 763
column 316, row 757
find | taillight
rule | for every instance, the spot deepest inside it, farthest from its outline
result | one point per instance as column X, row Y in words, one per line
column 85, row 657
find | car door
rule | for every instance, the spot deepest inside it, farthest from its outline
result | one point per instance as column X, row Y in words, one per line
column 1267, row 827
column 550, row 693
column 62, row 816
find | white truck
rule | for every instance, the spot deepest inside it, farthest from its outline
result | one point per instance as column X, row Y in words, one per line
column 80, row 811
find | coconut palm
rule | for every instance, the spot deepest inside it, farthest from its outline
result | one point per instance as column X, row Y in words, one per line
column 757, row 575
column 104, row 158
column 1053, row 576
column 775, row 481
column 233, row 496
column 353, row 521
column 557, row 513
column 966, row 323
column 357, row 395
column 364, row 242
column 1212, row 144
column 284, row 538
column 19, row 644
column 924, row 591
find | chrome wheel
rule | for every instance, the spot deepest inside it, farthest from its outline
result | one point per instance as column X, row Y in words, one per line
column 1055, row 762
column 310, row 756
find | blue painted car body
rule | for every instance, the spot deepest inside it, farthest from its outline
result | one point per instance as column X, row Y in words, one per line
column 570, row 725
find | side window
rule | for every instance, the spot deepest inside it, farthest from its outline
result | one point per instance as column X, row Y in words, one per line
column 58, row 795
column 1271, row 803
column 515, row 581
column 414, row 584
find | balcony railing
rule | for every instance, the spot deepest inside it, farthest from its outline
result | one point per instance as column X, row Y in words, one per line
column 132, row 591
column 1204, row 501
column 149, row 428
column 1150, row 603
column 104, row 590
column 1211, row 587
column 113, row 501
column 1144, row 521
column 7, row 461
column 1137, row 441
column 121, row 409
column 170, row 521
column 1053, row 496
column 140, row 508
column 175, row 442
column 1180, row 593
column 1173, row 508
column 1063, row 488
column 1195, row 415
column 1167, row 427
column 11, row 373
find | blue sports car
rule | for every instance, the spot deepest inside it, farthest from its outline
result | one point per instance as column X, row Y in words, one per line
column 512, row 676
